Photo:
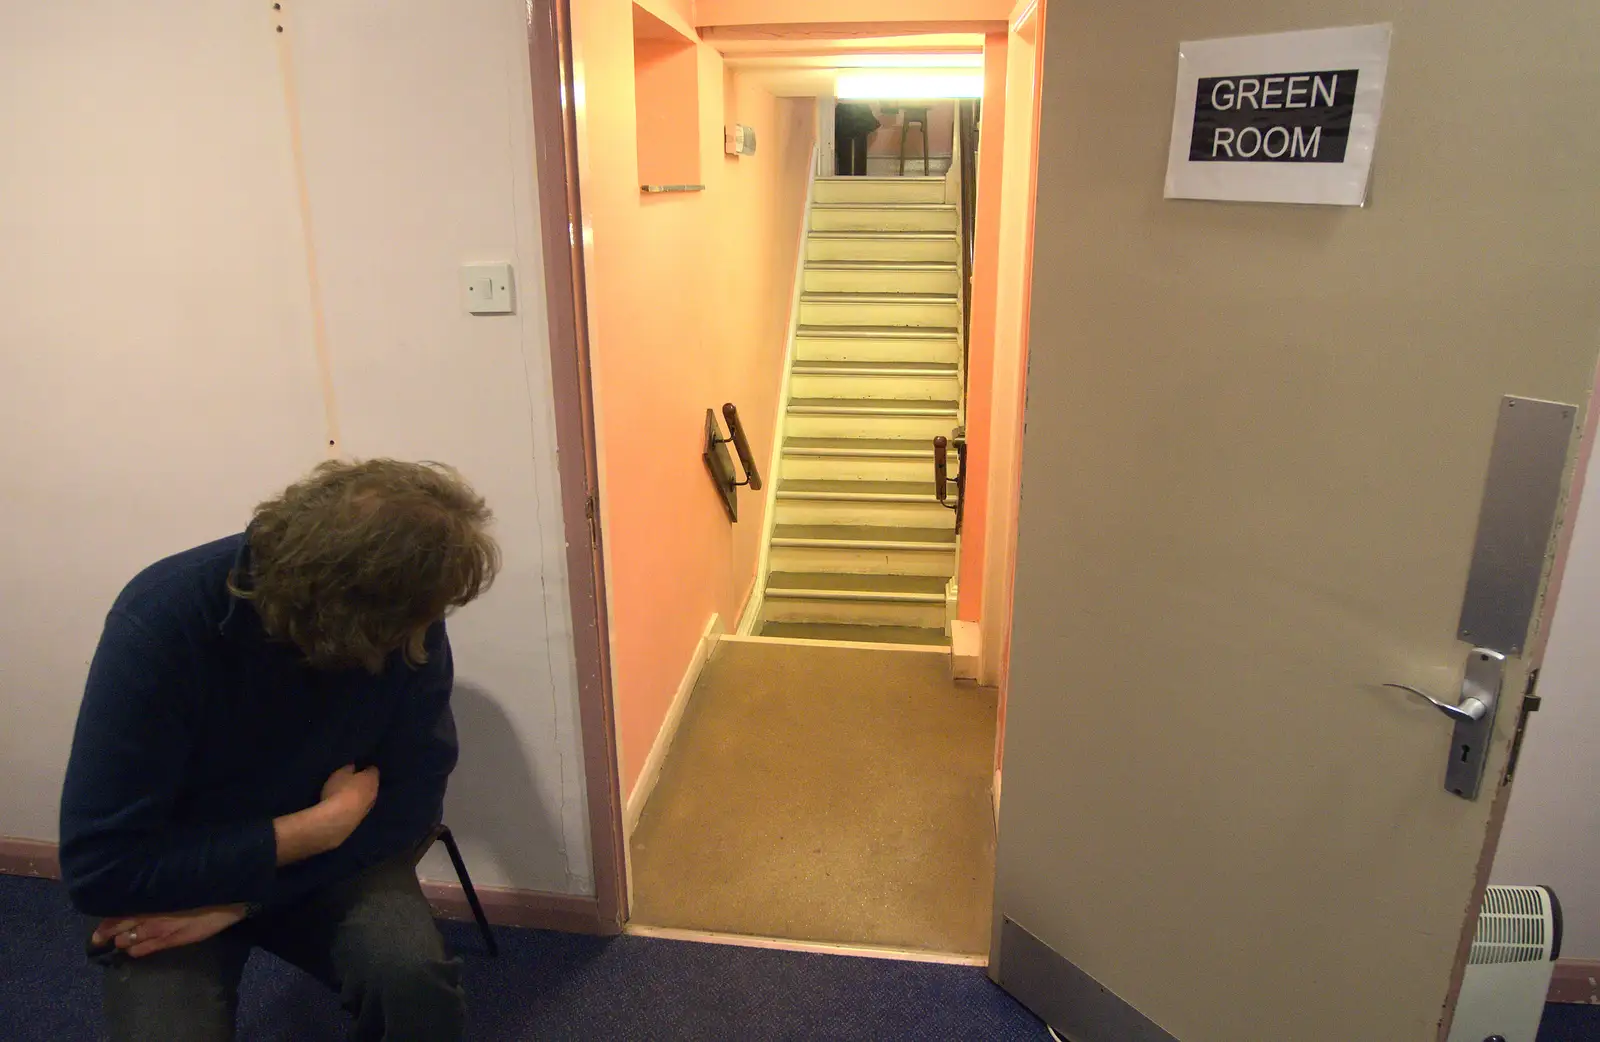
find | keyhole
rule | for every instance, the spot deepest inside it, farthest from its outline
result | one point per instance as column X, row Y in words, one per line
column 1466, row 750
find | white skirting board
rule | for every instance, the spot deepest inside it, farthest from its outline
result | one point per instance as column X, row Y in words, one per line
column 669, row 726
column 749, row 620
column 966, row 640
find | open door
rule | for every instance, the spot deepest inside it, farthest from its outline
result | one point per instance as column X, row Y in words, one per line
column 1266, row 448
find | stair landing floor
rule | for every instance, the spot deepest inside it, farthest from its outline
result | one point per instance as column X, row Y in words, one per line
column 825, row 794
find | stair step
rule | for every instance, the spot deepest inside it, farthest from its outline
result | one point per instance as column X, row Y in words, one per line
column 857, row 459
column 894, row 310
column 938, row 334
column 879, row 549
column 902, row 589
column 833, row 297
column 923, row 217
column 927, row 189
column 874, row 206
column 865, row 537
column 860, row 448
column 865, row 234
column 874, row 381
column 855, row 634
column 897, row 369
column 886, row 407
column 881, row 265
column 882, row 276
column 869, row 418
column 881, row 504
column 883, row 179
column 860, row 491
column 882, row 246
column 915, row 601
column 852, row 343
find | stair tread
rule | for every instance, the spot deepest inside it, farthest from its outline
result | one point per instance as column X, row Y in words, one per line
column 878, row 332
column 880, row 233
column 856, row 179
column 914, row 447
column 867, row 406
column 941, row 267
column 857, row 634
column 877, row 298
column 883, row 206
column 945, row 537
column 843, row 368
column 856, row 583
column 921, row 489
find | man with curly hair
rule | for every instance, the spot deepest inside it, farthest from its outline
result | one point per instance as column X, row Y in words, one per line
column 263, row 744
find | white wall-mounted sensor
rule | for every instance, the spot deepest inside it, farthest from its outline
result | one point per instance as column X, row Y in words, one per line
column 486, row 289
column 739, row 140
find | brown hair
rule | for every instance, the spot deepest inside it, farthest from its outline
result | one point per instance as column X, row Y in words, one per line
column 358, row 559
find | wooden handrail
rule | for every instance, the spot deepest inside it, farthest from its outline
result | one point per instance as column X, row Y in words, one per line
column 967, row 126
column 941, row 463
column 741, row 445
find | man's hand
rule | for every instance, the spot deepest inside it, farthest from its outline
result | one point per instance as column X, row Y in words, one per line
column 351, row 793
column 347, row 796
column 143, row 935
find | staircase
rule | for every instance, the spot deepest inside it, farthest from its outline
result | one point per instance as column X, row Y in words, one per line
column 859, row 548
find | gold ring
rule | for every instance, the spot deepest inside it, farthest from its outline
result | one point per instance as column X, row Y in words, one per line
column 133, row 936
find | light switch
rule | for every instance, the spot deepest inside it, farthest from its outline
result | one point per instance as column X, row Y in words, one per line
column 486, row 289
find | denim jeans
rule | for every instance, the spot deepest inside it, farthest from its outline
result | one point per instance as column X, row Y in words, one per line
column 371, row 939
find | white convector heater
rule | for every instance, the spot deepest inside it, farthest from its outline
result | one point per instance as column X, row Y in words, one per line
column 1508, row 974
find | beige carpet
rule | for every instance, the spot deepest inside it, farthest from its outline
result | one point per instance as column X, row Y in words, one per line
column 825, row 794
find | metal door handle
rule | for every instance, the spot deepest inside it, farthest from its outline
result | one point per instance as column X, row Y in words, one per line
column 1469, row 709
column 1474, row 718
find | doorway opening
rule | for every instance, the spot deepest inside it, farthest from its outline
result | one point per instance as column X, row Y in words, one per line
column 824, row 770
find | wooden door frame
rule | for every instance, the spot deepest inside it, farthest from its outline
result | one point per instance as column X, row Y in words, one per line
column 555, row 140
column 557, row 131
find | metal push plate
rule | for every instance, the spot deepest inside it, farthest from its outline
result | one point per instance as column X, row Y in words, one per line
column 1469, row 745
column 1520, row 499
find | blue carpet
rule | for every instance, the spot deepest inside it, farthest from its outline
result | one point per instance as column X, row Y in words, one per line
column 550, row 986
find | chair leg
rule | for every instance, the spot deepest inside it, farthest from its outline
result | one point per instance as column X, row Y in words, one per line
column 467, row 888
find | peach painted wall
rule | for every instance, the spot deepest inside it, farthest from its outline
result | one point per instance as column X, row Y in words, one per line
column 941, row 132
column 666, row 70
column 981, row 330
column 1023, row 72
column 689, row 300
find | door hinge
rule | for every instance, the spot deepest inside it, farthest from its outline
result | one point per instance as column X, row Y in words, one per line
column 591, row 514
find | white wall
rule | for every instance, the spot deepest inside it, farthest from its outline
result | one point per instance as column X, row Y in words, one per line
column 417, row 130
column 158, row 376
column 160, row 370
column 1552, row 831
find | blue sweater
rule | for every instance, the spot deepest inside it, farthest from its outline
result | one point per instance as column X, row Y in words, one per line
column 197, row 729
